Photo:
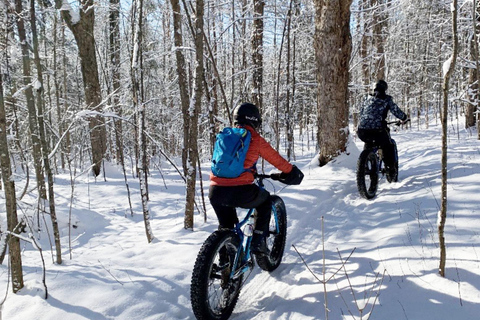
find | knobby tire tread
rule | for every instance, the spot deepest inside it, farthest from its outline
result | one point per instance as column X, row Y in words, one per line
column 201, row 277
column 367, row 192
column 271, row 261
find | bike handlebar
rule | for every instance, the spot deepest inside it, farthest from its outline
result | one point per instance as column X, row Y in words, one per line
column 262, row 176
column 273, row 176
column 398, row 122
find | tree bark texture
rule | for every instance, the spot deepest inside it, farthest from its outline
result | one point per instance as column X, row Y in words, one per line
column 379, row 27
column 182, row 76
column 257, row 56
column 473, row 74
column 42, row 135
column 445, row 85
column 333, row 46
column 10, row 198
column 114, row 52
column 194, row 111
column 138, row 101
column 366, row 73
column 83, row 31
column 32, row 112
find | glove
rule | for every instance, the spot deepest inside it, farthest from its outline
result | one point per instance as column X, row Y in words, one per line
column 294, row 177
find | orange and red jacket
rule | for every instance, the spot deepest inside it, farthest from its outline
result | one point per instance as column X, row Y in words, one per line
column 259, row 147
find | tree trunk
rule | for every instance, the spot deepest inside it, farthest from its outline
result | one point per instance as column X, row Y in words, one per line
column 182, row 77
column 257, row 56
column 333, row 46
column 56, row 83
column 379, row 27
column 473, row 73
column 366, row 73
column 32, row 112
column 289, row 117
column 138, row 101
column 83, row 31
column 446, row 77
column 114, row 52
column 193, row 114
column 10, row 199
column 43, row 139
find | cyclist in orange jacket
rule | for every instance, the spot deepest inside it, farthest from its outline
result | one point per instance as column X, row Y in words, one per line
column 226, row 194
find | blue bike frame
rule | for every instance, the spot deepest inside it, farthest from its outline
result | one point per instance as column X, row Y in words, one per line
column 245, row 241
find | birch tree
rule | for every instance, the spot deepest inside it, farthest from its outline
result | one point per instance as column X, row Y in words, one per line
column 448, row 69
column 194, row 111
column 139, row 104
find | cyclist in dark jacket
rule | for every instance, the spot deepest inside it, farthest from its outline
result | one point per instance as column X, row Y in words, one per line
column 373, row 126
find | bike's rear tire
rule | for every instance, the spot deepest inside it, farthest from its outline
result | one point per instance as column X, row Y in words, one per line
column 394, row 176
column 367, row 174
column 213, row 292
column 276, row 239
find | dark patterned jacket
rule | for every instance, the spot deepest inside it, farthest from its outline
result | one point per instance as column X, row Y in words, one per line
column 375, row 110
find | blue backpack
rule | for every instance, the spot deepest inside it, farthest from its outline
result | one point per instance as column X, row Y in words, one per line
column 230, row 151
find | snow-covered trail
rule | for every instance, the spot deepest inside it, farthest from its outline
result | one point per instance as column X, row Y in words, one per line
column 394, row 234
column 115, row 274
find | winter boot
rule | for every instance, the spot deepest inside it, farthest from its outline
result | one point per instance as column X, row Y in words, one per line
column 259, row 243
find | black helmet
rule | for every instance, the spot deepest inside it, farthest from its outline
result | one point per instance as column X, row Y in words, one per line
column 381, row 86
column 247, row 114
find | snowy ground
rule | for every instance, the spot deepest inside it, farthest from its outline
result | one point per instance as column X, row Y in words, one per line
column 115, row 274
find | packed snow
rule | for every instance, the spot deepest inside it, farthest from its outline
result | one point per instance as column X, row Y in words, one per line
column 391, row 243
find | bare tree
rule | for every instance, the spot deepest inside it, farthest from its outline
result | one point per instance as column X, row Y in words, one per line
column 10, row 199
column 473, row 73
column 32, row 112
column 257, row 55
column 333, row 46
column 139, row 103
column 448, row 68
column 182, row 77
column 194, row 111
column 114, row 52
column 379, row 27
column 289, row 117
column 366, row 73
column 84, row 36
column 42, row 137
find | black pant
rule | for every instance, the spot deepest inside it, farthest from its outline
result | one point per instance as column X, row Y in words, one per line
column 224, row 200
column 382, row 139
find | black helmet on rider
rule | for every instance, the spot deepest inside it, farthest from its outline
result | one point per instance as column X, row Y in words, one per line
column 247, row 114
column 381, row 86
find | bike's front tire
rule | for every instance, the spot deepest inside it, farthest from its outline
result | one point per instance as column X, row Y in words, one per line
column 277, row 237
column 213, row 292
column 367, row 174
